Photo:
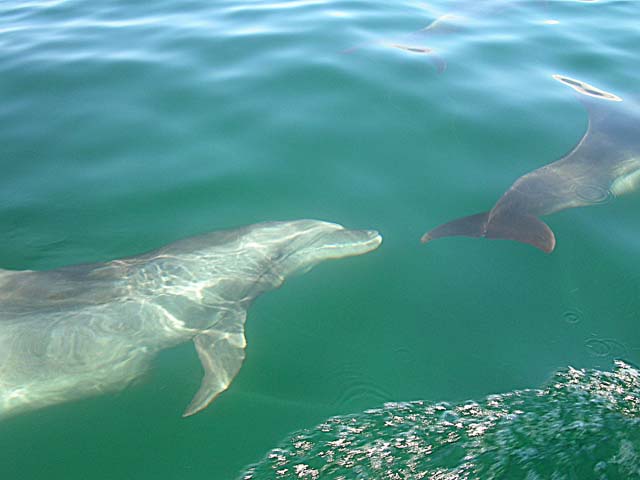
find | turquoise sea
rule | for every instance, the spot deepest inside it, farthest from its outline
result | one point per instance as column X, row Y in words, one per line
column 125, row 125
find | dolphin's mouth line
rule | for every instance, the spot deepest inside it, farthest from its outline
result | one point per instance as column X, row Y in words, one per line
column 369, row 244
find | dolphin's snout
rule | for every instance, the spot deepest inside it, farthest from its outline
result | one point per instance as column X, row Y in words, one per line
column 357, row 242
column 373, row 238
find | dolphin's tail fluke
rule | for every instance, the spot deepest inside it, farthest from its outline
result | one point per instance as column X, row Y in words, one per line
column 471, row 226
column 506, row 226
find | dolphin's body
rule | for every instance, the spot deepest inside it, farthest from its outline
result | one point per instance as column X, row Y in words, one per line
column 604, row 163
column 88, row 329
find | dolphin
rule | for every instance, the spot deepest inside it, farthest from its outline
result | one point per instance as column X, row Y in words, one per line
column 83, row 330
column 464, row 16
column 604, row 163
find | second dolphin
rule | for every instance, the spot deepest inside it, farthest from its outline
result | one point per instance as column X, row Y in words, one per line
column 605, row 162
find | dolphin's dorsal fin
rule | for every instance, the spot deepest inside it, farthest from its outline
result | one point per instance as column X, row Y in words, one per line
column 221, row 353
column 447, row 23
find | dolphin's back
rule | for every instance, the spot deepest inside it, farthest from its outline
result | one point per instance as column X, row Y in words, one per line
column 47, row 358
column 75, row 331
column 79, row 339
column 28, row 290
column 589, row 174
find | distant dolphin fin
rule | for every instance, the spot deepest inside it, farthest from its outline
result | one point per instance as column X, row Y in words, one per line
column 444, row 24
column 221, row 354
column 521, row 228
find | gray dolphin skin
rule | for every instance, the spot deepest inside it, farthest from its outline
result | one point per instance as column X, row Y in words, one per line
column 88, row 329
column 604, row 163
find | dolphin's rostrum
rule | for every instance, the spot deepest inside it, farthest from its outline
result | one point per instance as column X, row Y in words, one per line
column 87, row 329
column 605, row 163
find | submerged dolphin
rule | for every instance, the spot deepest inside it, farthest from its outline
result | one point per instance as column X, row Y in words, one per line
column 87, row 329
column 604, row 163
column 465, row 15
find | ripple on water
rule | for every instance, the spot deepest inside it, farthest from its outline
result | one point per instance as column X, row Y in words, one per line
column 356, row 388
column 573, row 316
column 606, row 347
column 593, row 194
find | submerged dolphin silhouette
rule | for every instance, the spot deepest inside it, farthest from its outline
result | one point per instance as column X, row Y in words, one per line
column 464, row 15
column 604, row 163
column 87, row 329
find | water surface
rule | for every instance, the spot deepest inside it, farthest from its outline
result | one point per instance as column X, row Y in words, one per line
column 125, row 126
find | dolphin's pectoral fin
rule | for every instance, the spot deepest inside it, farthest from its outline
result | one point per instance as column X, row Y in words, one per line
column 522, row 228
column 221, row 354
column 471, row 226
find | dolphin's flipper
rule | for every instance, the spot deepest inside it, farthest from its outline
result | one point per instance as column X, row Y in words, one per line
column 521, row 228
column 221, row 354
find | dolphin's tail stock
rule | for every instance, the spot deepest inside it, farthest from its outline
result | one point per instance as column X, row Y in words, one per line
column 506, row 226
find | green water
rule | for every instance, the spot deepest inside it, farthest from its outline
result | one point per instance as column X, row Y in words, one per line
column 127, row 125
